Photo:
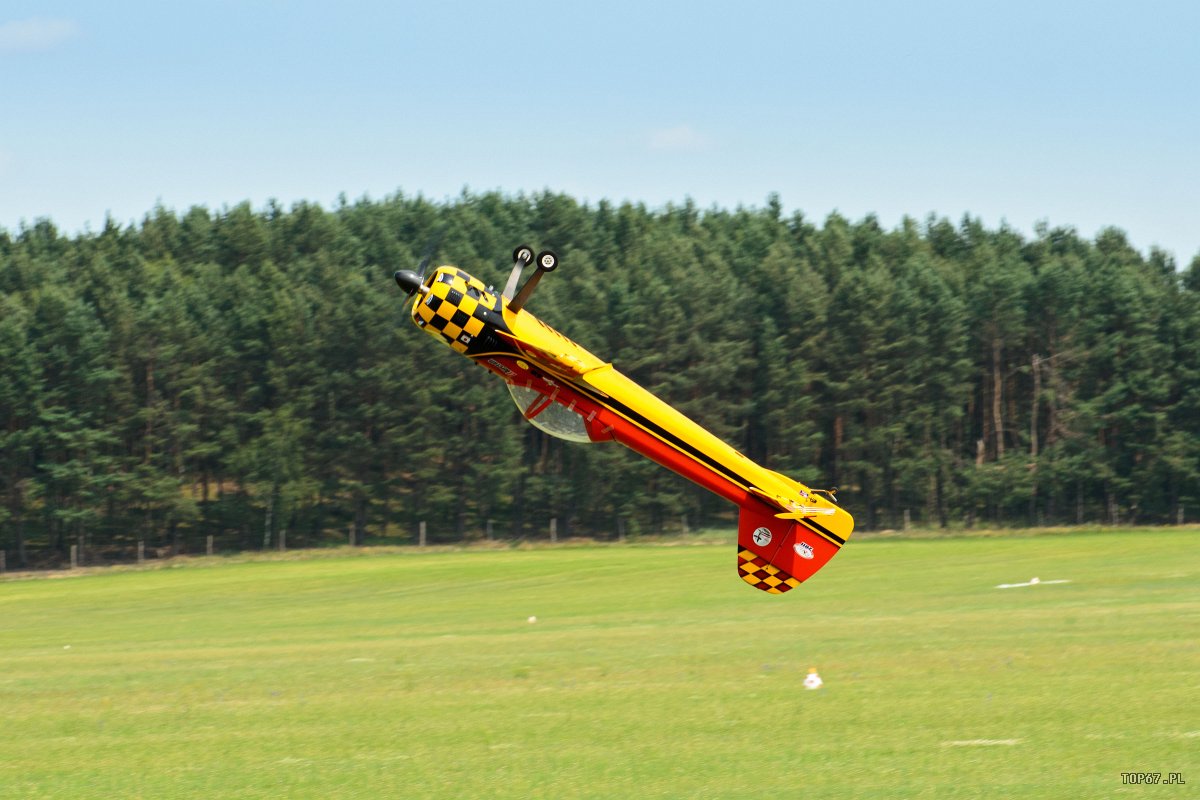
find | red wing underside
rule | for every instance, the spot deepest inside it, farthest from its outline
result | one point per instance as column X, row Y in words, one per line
column 777, row 555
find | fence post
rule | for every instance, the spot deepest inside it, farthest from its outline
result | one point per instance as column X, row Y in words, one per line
column 683, row 524
column 489, row 530
column 907, row 520
column 282, row 539
column 554, row 530
column 208, row 545
column 3, row 562
column 74, row 556
column 350, row 535
column 421, row 533
column 141, row 552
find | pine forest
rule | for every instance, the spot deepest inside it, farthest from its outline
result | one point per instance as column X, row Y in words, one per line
column 251, row 375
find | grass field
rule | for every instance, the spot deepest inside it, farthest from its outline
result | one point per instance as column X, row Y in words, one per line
column 651, row 671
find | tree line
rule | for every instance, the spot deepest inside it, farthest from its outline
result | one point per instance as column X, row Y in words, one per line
column 252, row 374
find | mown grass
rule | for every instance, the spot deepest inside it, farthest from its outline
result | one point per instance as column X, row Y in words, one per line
column 650, row 672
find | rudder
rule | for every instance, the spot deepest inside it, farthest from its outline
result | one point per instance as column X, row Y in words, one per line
column 777, row 555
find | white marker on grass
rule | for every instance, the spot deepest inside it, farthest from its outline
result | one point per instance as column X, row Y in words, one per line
column 1030, row 582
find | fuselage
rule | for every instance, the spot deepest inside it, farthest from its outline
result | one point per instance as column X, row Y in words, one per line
column 569, row 392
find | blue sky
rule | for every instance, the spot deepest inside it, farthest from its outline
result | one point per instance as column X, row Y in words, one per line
column 1082, row 114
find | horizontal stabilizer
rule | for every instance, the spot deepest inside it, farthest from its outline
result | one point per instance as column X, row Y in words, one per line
column 794, row 508
column 802, row 512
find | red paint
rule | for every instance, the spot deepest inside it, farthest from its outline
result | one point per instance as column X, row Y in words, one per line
column 786, row 535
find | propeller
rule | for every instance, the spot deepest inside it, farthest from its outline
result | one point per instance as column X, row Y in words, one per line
column 411, row 281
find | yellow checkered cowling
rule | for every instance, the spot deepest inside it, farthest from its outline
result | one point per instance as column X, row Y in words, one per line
column 454, row 308
column 761, row 575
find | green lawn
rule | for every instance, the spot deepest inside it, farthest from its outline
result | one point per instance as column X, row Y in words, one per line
column 651, row 671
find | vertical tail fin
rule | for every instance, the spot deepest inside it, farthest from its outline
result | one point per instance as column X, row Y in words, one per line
column 777, row 555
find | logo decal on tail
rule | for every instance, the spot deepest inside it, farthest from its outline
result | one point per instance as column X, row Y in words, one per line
column 803, row 549
column 762, row 536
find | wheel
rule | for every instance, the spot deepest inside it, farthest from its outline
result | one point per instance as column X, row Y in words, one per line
column 523, row 254
column 547, row 261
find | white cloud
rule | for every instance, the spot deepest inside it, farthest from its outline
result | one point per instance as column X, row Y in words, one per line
column 680, row 139
column 36, row 33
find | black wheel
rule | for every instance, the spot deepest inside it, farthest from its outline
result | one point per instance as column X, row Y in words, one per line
column 523, row 254
column 547, row 261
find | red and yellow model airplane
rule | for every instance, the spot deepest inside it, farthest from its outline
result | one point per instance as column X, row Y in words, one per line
column 786, row 531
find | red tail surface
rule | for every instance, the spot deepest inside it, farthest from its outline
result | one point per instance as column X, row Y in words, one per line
column 777, row 555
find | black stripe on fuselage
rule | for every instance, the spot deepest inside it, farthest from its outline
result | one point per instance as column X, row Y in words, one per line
column 821, row 529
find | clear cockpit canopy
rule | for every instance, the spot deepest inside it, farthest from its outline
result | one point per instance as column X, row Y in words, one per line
column 555, row 419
